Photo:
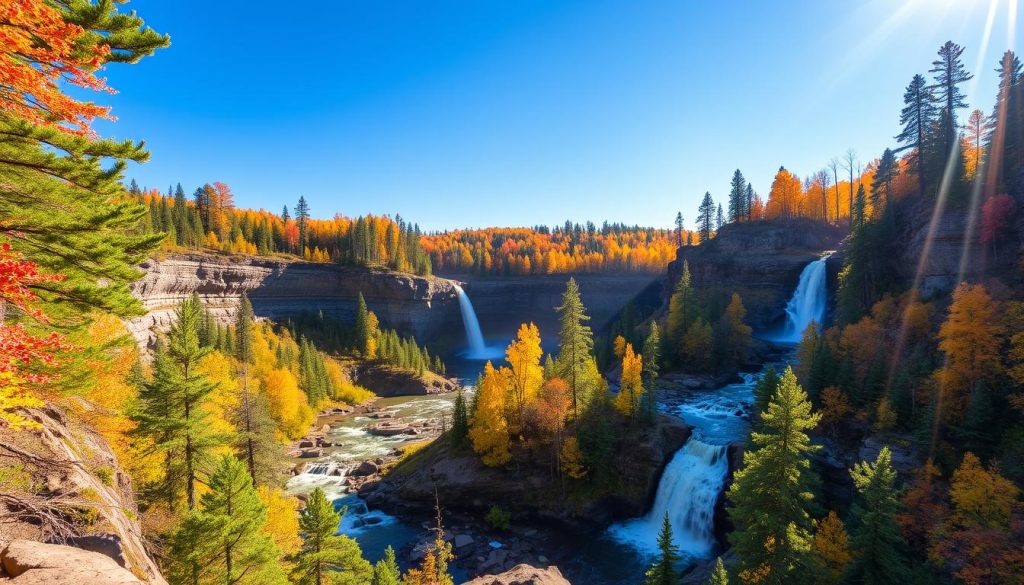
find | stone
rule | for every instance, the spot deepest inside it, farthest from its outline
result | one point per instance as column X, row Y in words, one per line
column 36, row 563
column 523, row 575
column 365, row 468
column 310, row 453
column 462, row 540
column 306, row 444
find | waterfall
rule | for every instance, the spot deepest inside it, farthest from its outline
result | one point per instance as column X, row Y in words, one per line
column 807, row 303
column 688, row 491
column 474, row 337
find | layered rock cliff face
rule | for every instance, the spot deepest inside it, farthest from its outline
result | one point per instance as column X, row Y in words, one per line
column 502, row 303
column 63, row 483
column 761, row 261
column 412, row 305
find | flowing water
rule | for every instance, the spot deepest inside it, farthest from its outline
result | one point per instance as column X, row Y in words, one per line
column 807, row 303
column 477, row 349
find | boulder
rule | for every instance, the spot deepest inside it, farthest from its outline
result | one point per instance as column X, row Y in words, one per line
column 310, row 453
column 523, row 575
column 36, row 563
column 462, row 540
column 365, row 468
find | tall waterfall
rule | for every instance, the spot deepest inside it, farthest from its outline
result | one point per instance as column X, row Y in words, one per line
column 808, row 301
column 474, row 337
column 688, row 490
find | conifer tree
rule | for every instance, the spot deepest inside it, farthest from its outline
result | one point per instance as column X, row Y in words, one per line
column 750, row 202
column 224, row 540
column 386, row 571
column 877, row 539
column 719, row 218
column 362, row 325
column 327, row 558
column 881, row 185
column 651, row 359
column 460, row 420
column 950, row 72
column 771, row 494
column 575, row 345
column 680, row 228
column 719, row 576
column 706, row 217
column 738, row 198
column 917, row 117
column 680, row 310
column 302, row 221
column 663, row 571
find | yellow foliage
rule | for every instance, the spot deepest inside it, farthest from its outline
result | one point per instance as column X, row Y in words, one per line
column 288, row 403
column 220, row 370
column 885, row 416
column 619, row 346
column 982, row 497
column 527, row 375
column 970, row 338
column 14, row 395
column 282, row 524
column 628, row 400
column 572, row 459
column 489, row 430
column 831, row 546
column 344, row 389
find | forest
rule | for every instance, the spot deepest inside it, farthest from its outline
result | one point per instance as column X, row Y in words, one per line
column 201, row 415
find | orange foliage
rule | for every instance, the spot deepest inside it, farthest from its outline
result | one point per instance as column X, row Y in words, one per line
column 529, row 251
column 970, row 337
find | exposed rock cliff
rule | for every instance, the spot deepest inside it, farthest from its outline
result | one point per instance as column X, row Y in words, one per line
column 413, row 305
column 63, row 483
column 761, row 261
column 503, row 302
column 26, row 562
column 528, row 492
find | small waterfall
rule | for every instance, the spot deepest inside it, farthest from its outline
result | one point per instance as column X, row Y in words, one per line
column 474, row 337
column 807, row 303
column 688, row 491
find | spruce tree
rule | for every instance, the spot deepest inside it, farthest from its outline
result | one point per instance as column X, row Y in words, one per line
column 881, row 185
column 157, row 420
column 575, row 345
column 327, row 558
column 738, row 198
column 663, row 571
column 224, row 540
column 706, row 217
column 750, row 202
column 771, row 495
column 719, row 218
column 362, row 325
column 719, row 576
column 877, row 540
column 651, row 359
column 681, row 311
column 386, row 571
column 680, row 228
column 950, row 72
column 916, row 118
column 460, row 420
column 302, row 222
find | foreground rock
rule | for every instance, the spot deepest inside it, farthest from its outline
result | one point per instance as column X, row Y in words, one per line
column 26, row 562
column 523, row 575
column 529, row 493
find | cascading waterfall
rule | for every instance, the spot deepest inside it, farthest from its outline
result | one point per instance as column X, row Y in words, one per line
column 474, row 336
column 688, row 490
column 807, row 303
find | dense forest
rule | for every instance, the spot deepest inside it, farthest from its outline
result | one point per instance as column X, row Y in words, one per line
column 199, row 421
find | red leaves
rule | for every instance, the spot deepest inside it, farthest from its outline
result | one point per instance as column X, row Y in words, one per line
column 996, row 215
column 17, row 345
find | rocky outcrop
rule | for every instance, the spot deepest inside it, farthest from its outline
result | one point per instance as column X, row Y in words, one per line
column 523, row 575
column 530, row 493
column 26, row 562
column 387, row 381
column 503, row 302
column 412, row 305
column 65, row 485
column 761, row 261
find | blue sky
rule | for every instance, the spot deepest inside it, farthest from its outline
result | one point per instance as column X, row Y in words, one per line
column 469, row 114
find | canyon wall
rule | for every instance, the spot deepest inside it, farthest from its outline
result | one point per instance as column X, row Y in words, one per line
column 413, row 305
column 761, row 261
column 503, row 302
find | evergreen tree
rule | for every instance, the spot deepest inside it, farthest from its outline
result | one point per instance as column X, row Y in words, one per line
column 706, row 217
column 681, row 311
column 243, row 333
column 386, row 571
column 327, row 558
column 224, row 540
column 1004, row 142
column 651, row 359
column 460, row 420
column 302, row 222
column 362, row 325
column 771, row 494
column 764, row 390
column 719, row 218
column 950, row 72
column 719, row 576
column 663, row 571
column 877, row 539
column 750, row 202
column 284, row 215
column 881, row 185
column 680, row 228
column 738, row 198
column 917, row 117
column 156, row 418
column 576, row 343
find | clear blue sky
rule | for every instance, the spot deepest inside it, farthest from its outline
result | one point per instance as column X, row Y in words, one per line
column 467, row 114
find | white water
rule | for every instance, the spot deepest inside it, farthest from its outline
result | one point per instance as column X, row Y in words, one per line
column 807, row 303
column 688, row 491
column 478, row 350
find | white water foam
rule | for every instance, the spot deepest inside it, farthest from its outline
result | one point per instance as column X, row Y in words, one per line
column 807, row 303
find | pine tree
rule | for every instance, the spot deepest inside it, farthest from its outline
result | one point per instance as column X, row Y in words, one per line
column 327, row 558
column 877, row 540
column 386, row 571
column 302, row 221
column 950, row 72
column 224, row 540
column 362, row 325
column 663, row 571
column 460, row 420
column 719, row 576
column 881, row 185
column 706, row 217
column 917, row 117
column 575, row 345
column 156, row 418
column 680, row 228
column 750, row 202
column 243, row 333
column 681, row 311
column 651, row 359
column 771, row 494
column 738, row 198
column 719, row 218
